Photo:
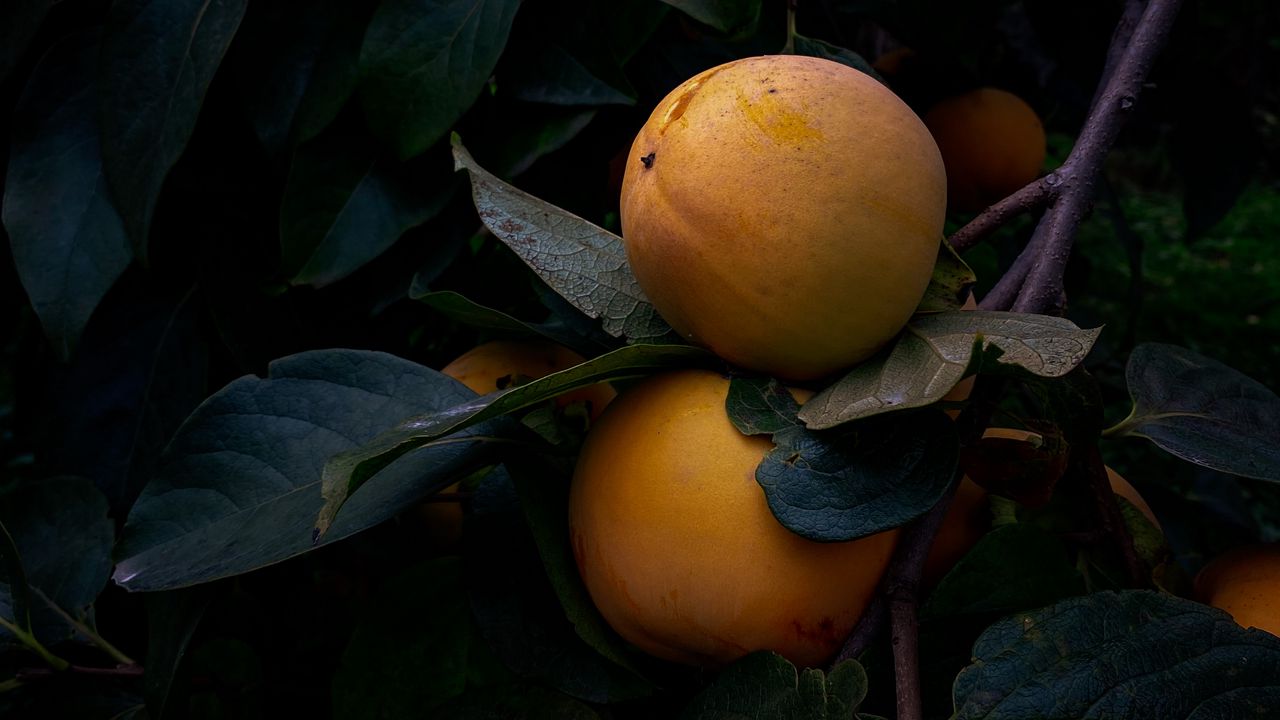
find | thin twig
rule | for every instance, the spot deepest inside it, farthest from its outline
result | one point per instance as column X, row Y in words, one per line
column 1120, row 37
column 898, row 595
column 901, row 591
column 1033, row 284
column 901, row 581
column 1009, row 286
column 1042, row 290
column 1033, row 196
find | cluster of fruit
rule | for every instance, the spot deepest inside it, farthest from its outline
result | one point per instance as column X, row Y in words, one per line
column 784, row 212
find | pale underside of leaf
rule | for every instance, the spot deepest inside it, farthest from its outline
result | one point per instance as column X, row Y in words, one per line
column 935, row 351
column 584, row 263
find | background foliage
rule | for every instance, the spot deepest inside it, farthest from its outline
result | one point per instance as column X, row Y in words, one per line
column 196, row 190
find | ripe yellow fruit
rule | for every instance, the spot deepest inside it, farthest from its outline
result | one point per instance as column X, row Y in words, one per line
column 499, row 364
column 785, row 212
column 675, row 542
column 1121, row 487
column 966, row 521
column 992, row 142
column 892, row 62
column 1246, row 583
column 494, row 366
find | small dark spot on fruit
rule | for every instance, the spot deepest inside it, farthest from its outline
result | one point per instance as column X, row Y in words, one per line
column 773, row 90
column 648, row 160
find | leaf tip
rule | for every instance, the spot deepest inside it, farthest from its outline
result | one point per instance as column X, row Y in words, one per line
column 461, row 158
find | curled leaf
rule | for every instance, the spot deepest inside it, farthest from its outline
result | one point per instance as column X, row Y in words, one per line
column 584, row 263
column 934, row 352
column 871, row 477
column 347, row 471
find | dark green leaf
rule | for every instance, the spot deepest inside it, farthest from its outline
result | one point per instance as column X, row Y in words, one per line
column 630, row 24
column 1148, row 540
column 825, row 50
column 172, row 618
column 552, row 74
column 1203, row 411
column 15, row 593
column 68, row 241
column 348, row 471
column 935, row 351
column 517, row 702
column 63, row 537
column 760, row 407
column 1073, row 402
column 571, row 53
column 949, row 286
column 232, row 670
column 1240, row 704
column 1134, row 654
column 409, row 652
column 60, row 698
column 19, row 22
column 582, row 262
column 158, row 58
column 141, row 369
column 343, row 207
column 544, row 498
column 1014, row 567
column 463, row 310
column 873, row 476
column 424, row 62
column 1213, row 176
column 460, row 309
column 299, row 66
column 732, row 17
column 764, row 686
column 239, row 485
column 522, row 132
